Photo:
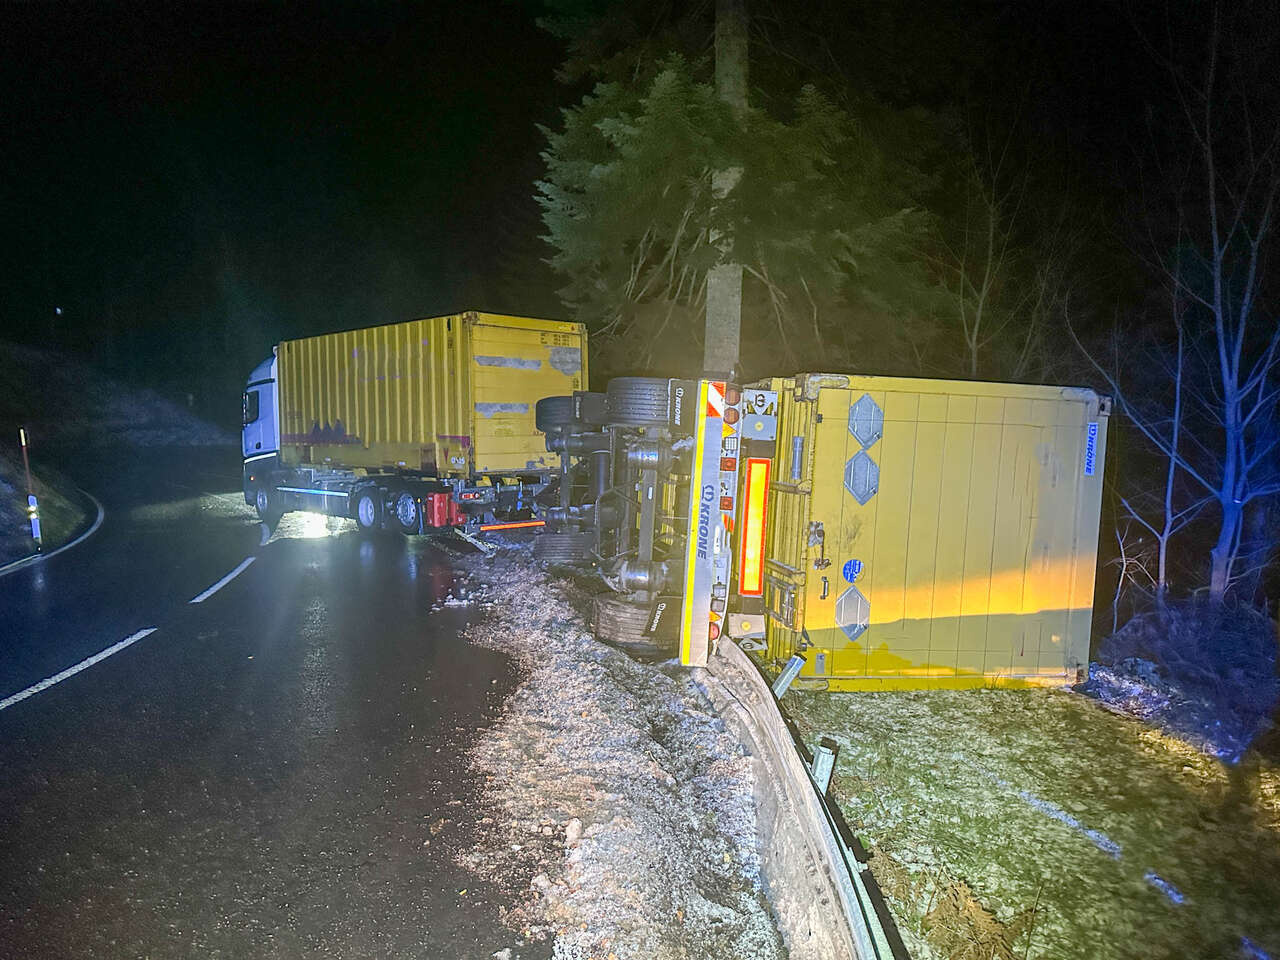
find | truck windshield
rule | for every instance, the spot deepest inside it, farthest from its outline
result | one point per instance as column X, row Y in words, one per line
column 250, row 406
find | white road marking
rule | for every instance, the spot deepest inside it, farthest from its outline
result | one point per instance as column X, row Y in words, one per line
column 201, row 598
column 85, row 664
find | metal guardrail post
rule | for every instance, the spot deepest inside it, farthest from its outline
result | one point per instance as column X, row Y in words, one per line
column 789, row 673
column 824, row 763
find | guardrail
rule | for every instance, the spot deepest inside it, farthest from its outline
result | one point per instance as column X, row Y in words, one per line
column 811, row 861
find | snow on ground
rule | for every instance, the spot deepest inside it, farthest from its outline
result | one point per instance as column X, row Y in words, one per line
column 1034, row 823
column 620, row 791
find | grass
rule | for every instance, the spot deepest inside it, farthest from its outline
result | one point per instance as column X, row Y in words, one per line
column 61, row 514
column 1034, row 823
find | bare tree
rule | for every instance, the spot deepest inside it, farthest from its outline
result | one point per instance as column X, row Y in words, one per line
column 1132, row 562
column 1221, row 433
column 1167, row 437
column 1229, row 247
column 1004, row 291
column 977, row 268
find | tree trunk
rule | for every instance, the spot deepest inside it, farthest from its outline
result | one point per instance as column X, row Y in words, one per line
column 1224, row 550
column 723, row 323
column 731, row 54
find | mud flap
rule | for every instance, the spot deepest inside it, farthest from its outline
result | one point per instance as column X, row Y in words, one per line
column 664, row 619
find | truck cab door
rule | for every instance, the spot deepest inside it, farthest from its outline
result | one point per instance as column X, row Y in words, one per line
column 260, row 436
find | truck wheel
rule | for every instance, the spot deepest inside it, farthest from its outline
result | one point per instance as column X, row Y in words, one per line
column 639, row 401
column 622, row 624
column 267, row 502
column 368, row 510
column 562, row 547
column 551, row 413
column 407, row 513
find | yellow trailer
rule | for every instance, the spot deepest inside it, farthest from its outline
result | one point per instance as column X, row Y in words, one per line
column 419, row 425
column 931, row 533
column 450, row 396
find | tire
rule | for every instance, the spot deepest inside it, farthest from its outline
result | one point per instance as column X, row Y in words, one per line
column 552, row 413
column 406, row 513
column 266, row 502
column 622, row 625
column 639, row 401
column 368, row 510
column 562, row 547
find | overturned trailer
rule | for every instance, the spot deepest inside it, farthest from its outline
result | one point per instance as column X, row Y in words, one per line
column 894, row 532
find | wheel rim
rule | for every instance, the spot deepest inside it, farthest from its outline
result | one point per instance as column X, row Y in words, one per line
column 261, row 501
column 407, row 510
column 366, row 509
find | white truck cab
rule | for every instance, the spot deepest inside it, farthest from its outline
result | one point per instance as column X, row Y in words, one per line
column 260, row 436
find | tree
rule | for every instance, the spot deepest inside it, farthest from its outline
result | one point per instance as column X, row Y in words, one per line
column 721, row 349
column 1218, row 163
column 824, row 222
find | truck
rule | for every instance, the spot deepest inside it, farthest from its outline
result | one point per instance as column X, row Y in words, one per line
column 885, row 532
column 416, row 427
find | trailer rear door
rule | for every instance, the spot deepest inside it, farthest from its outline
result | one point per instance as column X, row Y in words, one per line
column 514, row 363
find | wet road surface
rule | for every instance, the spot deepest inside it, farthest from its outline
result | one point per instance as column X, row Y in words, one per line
column 274, row 772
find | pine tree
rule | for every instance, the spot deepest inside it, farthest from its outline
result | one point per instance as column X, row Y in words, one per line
column 825, row 221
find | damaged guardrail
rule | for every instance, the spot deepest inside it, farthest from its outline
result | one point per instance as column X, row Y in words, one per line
column 811, row 862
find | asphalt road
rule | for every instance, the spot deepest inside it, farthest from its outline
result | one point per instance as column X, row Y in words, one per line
column 276, row 771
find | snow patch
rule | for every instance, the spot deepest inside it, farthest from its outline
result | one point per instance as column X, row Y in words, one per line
column 625, row 796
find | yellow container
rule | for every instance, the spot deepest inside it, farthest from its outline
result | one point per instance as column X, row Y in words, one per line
column 931, row 533
column 451, row 396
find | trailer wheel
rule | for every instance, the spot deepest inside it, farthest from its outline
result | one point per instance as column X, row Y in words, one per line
column 562, row 547
column 551, row 413
column 267, row 502
column 407, row 513
column 622, row 624
column 639, row 401
column 368, row 509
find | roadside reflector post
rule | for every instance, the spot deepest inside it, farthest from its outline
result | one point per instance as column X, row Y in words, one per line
column 33, row 510
column 33, row 505
column 789, row 673
column 824, row 763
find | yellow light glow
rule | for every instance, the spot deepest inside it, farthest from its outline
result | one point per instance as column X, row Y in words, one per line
column 1045, row 586
column 751, row 560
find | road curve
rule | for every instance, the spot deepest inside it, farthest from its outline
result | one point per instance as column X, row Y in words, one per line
column 274, row 771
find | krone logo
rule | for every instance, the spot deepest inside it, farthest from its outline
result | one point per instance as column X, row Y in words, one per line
column 704, row 519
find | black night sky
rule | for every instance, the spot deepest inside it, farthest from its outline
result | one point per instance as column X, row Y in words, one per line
column 202, row 180
column 225, row 175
